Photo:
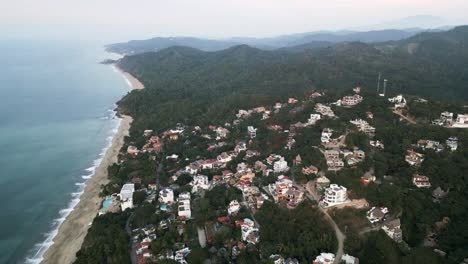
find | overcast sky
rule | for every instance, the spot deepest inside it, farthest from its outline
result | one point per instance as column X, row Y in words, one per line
column 124, row 19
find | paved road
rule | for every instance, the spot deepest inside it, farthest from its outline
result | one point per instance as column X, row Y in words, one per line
column 311, row 195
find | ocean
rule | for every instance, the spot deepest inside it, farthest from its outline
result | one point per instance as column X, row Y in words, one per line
column 56, row 121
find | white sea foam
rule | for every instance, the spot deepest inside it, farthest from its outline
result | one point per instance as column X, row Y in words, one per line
column 40, row 248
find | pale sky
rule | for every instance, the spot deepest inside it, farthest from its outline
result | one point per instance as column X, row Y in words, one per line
column 120, row 20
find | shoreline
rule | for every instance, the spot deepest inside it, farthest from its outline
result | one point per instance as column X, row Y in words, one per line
column 71, row 233
column 133, row 82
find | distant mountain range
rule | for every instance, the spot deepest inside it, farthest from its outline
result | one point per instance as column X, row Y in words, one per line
column 315, row 39
column 429, row 64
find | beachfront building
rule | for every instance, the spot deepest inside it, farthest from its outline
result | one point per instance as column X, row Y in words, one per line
column 335, row 195
column 126, row 196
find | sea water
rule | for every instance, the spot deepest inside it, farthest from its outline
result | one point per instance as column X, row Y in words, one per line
column 56, row 120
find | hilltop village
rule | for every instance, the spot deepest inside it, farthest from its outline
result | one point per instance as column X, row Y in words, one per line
column 324, row 178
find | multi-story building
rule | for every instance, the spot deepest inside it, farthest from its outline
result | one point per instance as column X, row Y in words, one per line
column 335, row 195
column 252, row 131
column 184, row 205
column 280, row 166
column 351, row 100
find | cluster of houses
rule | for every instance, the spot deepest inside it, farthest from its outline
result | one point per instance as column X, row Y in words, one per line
column 142, row 238
column 324, row 110
column 283, row 191
column 447, row 119
column 364, row 127
column 391, row 227
column 350, row 100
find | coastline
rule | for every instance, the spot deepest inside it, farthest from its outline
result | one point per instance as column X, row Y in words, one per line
column 71, row 233
column 130, row 79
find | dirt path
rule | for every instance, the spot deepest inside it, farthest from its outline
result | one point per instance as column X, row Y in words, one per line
column 404, row 117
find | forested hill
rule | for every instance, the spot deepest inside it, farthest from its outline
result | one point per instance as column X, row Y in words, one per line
column 181, row 80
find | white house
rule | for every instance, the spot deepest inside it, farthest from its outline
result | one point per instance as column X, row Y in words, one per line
column 313, row 119
column 200, row 182
column 166, row 196
column 249, row 232
column 326, row 135
column 461, row 121
column 452, row 143
column 348, row 259
column 335, row 195
column 399, row 101
column 280, row 166
column 325, row 258
column 252, row 131
column 234, row 207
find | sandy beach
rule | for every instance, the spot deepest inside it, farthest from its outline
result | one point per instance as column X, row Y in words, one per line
column 132, row 81
column 73, row 230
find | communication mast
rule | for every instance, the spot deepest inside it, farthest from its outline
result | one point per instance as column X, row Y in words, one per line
column 384, row 87
column 378, row 84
